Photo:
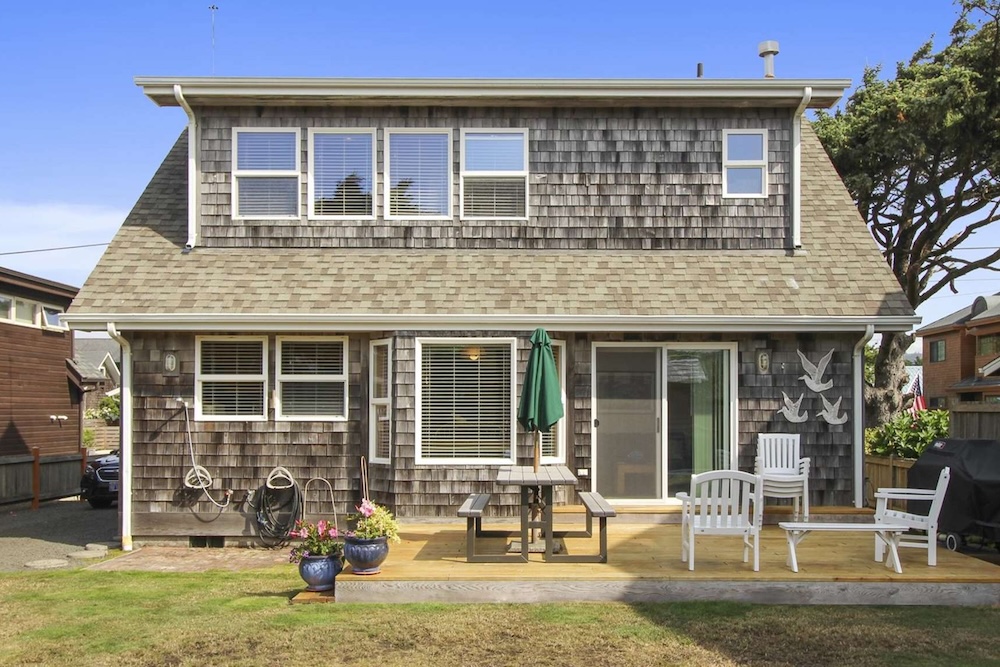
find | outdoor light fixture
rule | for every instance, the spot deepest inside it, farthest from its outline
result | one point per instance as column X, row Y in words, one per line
column 473, row 353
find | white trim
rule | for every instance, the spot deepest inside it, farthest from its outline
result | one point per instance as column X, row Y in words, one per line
column 990, row 368
column 560, row 455
column 236, row 174
column 450, row 321
column 281, row 378
column 375, row 402
column 419, row 343
column 199, row 378
column 311, row 171
column 462, row 172
column 734, row 445
column 737, row 164
column 386, row 178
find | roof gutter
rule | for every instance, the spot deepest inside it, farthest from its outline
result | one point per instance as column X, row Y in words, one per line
column 193, row 179
column 859, row 422
column 125, row 460
column 807, row 94
column 479, row 321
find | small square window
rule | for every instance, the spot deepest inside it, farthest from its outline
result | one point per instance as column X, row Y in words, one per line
column 418, row 174
column 342, row 173
column 744, row 163
column 937, row 351
column 51, row 318
column 495, row 174
column 265, row 174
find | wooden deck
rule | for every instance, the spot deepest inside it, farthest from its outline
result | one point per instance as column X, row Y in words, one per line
column 644, row 565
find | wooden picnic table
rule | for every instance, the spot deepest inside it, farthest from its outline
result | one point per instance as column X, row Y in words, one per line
column 537, row 487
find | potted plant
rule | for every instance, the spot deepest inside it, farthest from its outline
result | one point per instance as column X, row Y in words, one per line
column 367, row 546
column 319, row 555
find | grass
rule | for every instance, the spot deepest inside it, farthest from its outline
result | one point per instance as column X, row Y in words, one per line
column 221, row 618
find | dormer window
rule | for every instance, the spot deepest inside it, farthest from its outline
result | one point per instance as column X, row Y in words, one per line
column 265, row 173
column 744, row 163
column 495, row 174
column 342, row 174
column 418, row 174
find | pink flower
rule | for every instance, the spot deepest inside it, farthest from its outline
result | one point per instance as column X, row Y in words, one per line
column 321, row 526
column 367, row 508
column 333, row 533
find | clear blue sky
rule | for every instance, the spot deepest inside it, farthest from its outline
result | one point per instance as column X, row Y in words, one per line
column 82, row 141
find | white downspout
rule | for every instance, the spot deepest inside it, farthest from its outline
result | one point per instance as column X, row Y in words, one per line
column 807, row 94
column 193, row 180
column 859, row 421
column 125, row 455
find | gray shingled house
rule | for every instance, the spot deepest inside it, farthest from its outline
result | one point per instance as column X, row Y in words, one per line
column 326, row 269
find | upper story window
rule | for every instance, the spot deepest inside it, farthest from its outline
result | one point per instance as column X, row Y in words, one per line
column 265, row 173
column 30, row 313
column 418, row 174
column 465, row 401
column 312, row 378
column 342, row 173
column 494, row 174
column 380, row 401
column 937, row 350
column 231, row 378
column 988, row 345
column 744, row 163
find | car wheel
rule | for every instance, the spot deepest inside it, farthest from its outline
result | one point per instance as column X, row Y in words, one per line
column 100, row 503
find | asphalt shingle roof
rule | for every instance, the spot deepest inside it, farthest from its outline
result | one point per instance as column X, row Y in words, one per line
column 840, row 272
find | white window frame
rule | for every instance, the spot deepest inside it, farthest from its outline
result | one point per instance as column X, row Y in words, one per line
column 38, row 308
column 281, row 378
column 312, row 171
column 374, row 403
column 560, row 455
column 263, row 173
column 511, row 445
column 386, row 178
column 463, row 174
column 200, row 378
column 728, row 164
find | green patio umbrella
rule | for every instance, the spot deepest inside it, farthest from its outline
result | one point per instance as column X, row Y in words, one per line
column 541, row 399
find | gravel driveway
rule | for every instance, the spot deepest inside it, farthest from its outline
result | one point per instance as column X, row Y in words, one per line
column 57, row 528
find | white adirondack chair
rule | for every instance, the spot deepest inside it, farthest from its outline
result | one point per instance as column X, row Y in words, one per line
column 722, row 502
column 784, row 473
column 927, row 523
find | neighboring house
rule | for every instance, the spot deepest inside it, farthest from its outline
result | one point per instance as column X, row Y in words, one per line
column 98, row 360
column 39, row 395
column 326, row 269
column 962, row 355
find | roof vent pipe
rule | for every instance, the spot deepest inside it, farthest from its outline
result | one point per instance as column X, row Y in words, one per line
column 701, row 70
column 768, row 50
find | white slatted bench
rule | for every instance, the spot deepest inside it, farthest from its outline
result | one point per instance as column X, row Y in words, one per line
column 796, row 531
column 598, row 507
column 472, row 511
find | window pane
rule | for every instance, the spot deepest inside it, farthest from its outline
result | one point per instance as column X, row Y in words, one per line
column 342, row 174
column 232, row 398
column 312, row 357
column 745, row 146
column 266, row 150
column 494, row 152
column 5, row 304
column 466, row 401
column 419, row 174
column 382, row 448
column 745, row 180
column 24, row 311
column 380, row 372
column 487, row 197
column 313, row 399
column 231, row 357
column 272, row 195
column 51, row 317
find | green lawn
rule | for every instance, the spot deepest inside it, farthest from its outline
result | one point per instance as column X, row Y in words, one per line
column 128, row 618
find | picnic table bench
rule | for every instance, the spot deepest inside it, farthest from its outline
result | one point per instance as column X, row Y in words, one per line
column 796, row 531
column 472, row 511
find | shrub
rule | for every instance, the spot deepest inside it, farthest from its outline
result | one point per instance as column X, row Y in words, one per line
column 907, row 436
column 89, row 438
column 109, row 409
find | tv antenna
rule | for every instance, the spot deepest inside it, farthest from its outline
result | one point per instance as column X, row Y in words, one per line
column 213, row 9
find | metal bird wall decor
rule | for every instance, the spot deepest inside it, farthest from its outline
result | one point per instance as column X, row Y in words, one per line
column 815, row 372
column 792, row 409
column 831, row 411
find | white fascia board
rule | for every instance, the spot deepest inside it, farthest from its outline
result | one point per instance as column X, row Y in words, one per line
column 447, row 322
column 227, row 90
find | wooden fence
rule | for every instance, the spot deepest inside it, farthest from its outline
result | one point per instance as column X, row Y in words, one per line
column 975, row 420
column 106, row 437
column 885, row 472
column 34, row 477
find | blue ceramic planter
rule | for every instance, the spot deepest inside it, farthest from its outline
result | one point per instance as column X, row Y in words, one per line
column 366, row 556
column 320, row 572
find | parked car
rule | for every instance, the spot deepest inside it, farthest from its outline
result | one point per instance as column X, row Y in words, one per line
column 99, row 484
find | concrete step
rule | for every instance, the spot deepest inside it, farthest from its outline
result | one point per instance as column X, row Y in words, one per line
column 47, row 563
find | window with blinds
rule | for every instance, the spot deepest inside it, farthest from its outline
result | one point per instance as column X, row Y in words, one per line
column 495, row 174
column 465, row 404
column 418, row 173
column 554, row 442
column 311, row 379
column 379, row 411
column 744, row 163
column 265, row 173
column 231, row 378
column 342, row 173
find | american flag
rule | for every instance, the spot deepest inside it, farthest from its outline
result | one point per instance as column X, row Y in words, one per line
column 919, row 402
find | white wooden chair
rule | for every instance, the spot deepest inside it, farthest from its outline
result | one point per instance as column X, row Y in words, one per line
column 722, row 502
column 784, row 473
column 927, row 523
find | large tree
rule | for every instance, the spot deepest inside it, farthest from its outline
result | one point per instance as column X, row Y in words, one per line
column 920, row 154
